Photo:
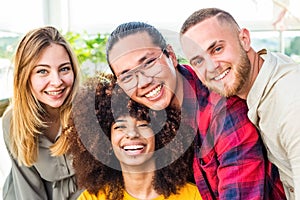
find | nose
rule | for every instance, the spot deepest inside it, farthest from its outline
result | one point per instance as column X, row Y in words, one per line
column 132, row 133
column 56, row 79
column 212, row 64
column 143, row 80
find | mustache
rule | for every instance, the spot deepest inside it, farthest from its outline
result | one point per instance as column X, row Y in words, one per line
column 218, row 71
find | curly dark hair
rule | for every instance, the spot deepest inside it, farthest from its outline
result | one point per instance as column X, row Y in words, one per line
column 97, row 169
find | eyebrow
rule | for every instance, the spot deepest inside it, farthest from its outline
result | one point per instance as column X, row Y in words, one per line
column 140, row 61
column 45, row 65
column 212, row 45
column 120, row 120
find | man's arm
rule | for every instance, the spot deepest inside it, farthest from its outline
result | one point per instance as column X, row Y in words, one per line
column 290, row 140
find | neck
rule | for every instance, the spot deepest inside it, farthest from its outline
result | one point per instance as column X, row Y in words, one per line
column 178, row 94
column 256, row 63
column 53, row 113
column 52, row 119
column 140, row 185
column 138, row 179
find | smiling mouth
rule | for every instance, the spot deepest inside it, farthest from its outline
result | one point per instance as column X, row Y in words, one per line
column 133, row 147
column 54, row 93
column 154, row 92
column 221, row 76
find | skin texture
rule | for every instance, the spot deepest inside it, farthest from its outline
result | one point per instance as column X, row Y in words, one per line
column 133, row 143
column 154, row 92
column 218, row 55
column 226, row 63
column 130, row 170
column 52, row 78
column 46, row 79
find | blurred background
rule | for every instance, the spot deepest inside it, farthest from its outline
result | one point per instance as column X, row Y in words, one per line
column 273, row 24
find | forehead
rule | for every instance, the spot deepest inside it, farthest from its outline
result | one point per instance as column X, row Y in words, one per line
column 202, row 35
column 53, row 53
column 129, row 119
column 131, row 43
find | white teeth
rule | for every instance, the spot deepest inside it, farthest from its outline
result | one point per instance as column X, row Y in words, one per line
column 154, row 92
column 133, row 147
column 222, row 75
column 54, row 93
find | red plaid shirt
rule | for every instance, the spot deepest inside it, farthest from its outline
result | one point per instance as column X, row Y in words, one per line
column 230, row 160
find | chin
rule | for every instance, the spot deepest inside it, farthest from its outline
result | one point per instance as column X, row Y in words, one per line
column 157, row 106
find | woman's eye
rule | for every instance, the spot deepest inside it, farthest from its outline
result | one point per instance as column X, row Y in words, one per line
column 65, row 69
column 41, row 71
column 144, row 125
column 119, row 127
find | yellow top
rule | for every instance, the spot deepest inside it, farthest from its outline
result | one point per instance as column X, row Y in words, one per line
column 188, row 192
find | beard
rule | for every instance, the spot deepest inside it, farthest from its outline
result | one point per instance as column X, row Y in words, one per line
column 241, row 75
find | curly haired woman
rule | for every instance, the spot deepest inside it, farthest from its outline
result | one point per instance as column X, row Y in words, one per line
column 138, row 153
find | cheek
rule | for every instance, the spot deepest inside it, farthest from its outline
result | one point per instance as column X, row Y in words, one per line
column 69, row 80
column 153, row 143
column 131, row 94
column 37, row 84
column 167, row 68
column 150, row 137
column 232, row 54
column 168, row 75
column 33, row 81
column 148, row 134
column 115, row 138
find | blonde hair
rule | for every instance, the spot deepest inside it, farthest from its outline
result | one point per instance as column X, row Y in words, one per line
column 28, row 113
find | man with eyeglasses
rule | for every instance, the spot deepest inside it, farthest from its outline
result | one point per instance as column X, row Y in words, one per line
column 230, row 160
column 148, row 68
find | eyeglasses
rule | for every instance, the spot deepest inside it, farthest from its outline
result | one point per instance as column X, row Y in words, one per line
column 129, row 79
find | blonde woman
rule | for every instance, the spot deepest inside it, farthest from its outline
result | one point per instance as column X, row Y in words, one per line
column 46, row 76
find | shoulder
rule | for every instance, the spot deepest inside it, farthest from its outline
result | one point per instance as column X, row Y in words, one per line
column 86, row 195
column 285, row 74
column 186, row 70
column 235, row 103
column 189, row 187
column 189, row 75
column 188, row 191
column 7, row 115
column 192, row 82
column 6, row 121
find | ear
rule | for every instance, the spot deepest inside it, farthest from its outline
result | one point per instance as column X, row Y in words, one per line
column 245, row 40
column 172, row 55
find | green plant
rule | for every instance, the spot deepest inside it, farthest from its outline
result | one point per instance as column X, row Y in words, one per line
column 89, row 48
column 293, row 47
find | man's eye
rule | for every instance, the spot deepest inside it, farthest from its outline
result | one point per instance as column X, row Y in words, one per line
column 197, row 62
column 126, row 78
column 149, row 62
column 218, row 49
